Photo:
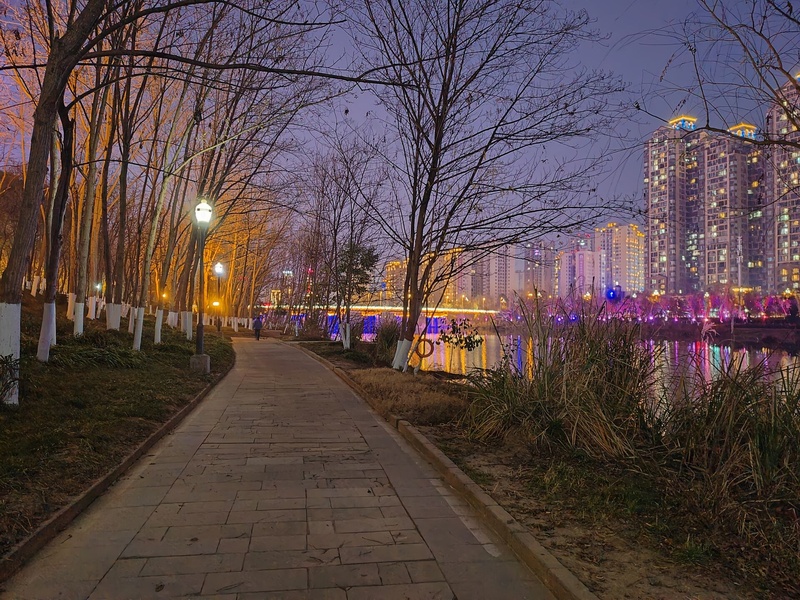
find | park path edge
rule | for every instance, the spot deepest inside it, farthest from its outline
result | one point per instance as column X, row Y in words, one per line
column 556, row 577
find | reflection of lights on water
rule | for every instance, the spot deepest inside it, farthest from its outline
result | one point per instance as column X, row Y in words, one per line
column 703, row 359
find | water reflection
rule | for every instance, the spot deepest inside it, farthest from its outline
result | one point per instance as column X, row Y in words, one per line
column 708, row 359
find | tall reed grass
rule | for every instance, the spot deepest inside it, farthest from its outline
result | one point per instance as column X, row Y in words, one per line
column 731, row 443
column 387, row 334
column 584, row 383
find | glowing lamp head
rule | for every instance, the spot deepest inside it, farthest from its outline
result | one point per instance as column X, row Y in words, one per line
column 215, row 303
column 98, row 286
column 219, row 269
column 202, row 213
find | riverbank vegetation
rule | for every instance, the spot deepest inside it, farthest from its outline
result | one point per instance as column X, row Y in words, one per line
column 588, row 432
column 82, row 412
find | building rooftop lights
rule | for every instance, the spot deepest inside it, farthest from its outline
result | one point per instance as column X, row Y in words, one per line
column 683, row 122
column 744, row 130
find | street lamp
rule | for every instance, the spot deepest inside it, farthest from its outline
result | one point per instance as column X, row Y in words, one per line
column 219, row 270
column 201, row 362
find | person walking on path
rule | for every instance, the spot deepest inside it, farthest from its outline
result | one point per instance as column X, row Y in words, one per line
column 257, row 325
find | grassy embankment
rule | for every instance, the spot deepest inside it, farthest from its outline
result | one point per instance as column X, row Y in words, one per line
column 704, row 473
column 84, row 411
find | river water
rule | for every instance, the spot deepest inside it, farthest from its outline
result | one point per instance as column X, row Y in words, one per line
column 708, row 358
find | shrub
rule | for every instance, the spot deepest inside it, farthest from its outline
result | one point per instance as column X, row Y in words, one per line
column 729, row 445
column 387, row 334
column 585, row 384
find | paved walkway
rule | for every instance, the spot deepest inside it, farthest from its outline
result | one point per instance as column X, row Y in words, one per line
column 281, row 484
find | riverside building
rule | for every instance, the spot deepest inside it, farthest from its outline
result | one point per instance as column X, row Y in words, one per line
column 703, row 228
column 780, row 205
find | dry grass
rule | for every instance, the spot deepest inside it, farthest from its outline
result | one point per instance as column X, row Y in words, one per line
column 422, row 399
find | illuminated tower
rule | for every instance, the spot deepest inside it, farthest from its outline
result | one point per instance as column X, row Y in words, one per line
column 621, row 249
column 703, row 224
column 783, row 187
column 726, row 183
column 669, row 158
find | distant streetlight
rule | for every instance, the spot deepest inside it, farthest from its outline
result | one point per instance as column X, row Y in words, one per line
column 219, row 271
column 201, row 361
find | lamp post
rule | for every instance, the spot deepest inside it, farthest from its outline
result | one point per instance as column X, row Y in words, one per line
column 201, row 362
column 219, row 270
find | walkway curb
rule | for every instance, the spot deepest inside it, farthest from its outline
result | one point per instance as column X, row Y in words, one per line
column 555, row 576
column 27, row 548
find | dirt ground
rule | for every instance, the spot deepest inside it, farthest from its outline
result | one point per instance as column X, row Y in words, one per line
column 608, row 558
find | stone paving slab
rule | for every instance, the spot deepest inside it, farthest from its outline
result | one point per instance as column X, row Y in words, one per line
column 281, row 484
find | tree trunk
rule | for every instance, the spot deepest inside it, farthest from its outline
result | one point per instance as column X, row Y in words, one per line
column 47, row 332
column 98, row 110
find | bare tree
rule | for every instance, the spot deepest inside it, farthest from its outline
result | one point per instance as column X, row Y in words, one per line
column 345, row 181
column 489, row 130
column 744, row 57
column 73, row 36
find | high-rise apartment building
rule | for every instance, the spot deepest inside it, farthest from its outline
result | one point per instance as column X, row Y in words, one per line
column 666, row 162
column 395, row 279
column 782, row 205
column 699, row 203
column 537, row 266
column 621, row 254
column 579, row 268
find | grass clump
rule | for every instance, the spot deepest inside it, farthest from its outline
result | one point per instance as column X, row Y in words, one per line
column 387, row 334
column 583, row 385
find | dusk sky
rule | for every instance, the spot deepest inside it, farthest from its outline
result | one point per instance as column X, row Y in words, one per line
column 640, row 57
column 635, row 52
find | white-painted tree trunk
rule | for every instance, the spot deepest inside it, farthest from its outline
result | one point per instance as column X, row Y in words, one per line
column 124, row 310
column 35, row 286
column 9, row 341
column 345, row 329
column 47, row 333
column 131, row 320
column 187, row 324
column 137, row 315
column 172, row 319
column 70, row 306
column 42, row 285
column 250, row 323
column 236, row 325
column 113, row 316
column 401, row 355
column 77, row 328
column 92, row 314
column 159, row 319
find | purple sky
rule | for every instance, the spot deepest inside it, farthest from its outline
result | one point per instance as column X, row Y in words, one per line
column 640, row 57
